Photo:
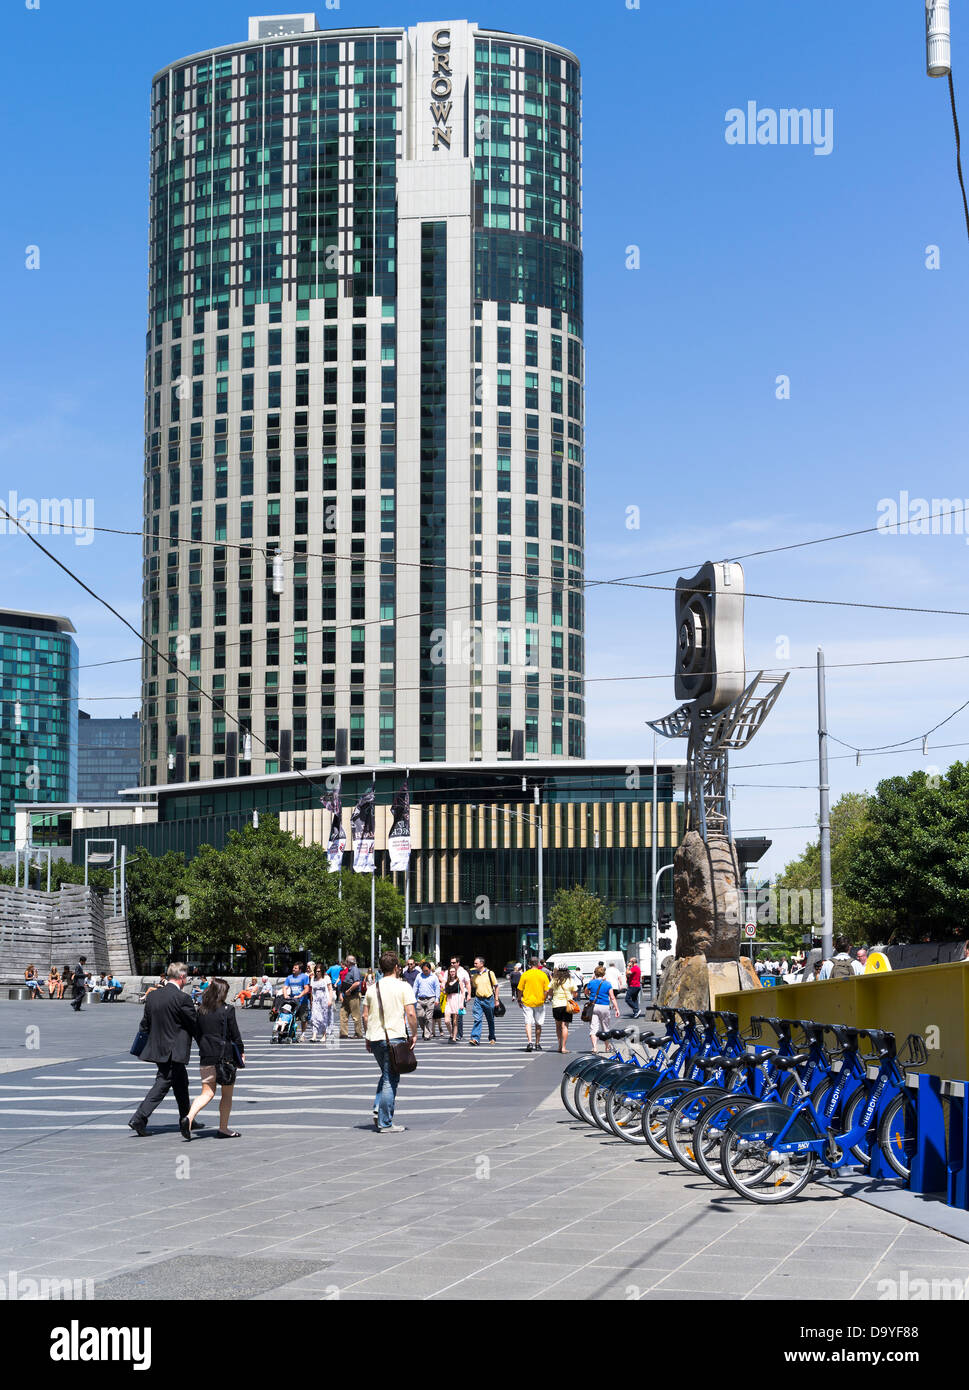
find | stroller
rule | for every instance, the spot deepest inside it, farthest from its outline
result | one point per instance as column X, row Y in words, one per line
column 282, row 1017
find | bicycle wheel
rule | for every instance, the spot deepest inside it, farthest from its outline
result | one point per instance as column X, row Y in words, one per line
column 624, row 1117
column 566, row 1089
column 852, row 1116
column 656, row 1113
column 598, row 1096
column 896, row 1133
column 745, row 1155
column 708, row 1136
column 684, row 1117
column 580, row 1094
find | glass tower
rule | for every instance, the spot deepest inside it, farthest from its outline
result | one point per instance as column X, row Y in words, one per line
column 364, row 355
column 38, row 724
column 108, row 757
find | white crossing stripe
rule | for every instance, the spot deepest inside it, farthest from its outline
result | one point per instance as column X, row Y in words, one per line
column 292, row 1087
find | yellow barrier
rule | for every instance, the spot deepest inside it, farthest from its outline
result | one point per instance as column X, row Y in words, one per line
column 931, row 1000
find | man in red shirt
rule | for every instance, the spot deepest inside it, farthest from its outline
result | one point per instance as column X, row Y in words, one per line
column 634, row 984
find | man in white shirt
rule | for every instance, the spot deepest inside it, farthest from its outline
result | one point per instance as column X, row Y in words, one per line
column 615, row 977
column 841, row 966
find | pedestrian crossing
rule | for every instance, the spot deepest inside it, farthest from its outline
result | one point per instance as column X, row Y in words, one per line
column 290, row 1086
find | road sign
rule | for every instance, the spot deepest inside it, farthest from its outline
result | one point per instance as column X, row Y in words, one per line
column 407, row 938
column 750, row 929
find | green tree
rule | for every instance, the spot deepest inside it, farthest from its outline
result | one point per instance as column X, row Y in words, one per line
column 859, row 920
column 265, row 888
column 355, row 921
column 911, row 861
column 158, row 900
column 577, row 920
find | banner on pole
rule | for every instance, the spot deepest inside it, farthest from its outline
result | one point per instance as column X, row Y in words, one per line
column 398, row 841
column 361, row 824
column 338, row 837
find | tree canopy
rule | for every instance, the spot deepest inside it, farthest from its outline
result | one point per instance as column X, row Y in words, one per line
column 577, row 920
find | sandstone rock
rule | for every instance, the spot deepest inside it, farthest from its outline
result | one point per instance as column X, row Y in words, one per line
column 686, row 985
column 706, row 898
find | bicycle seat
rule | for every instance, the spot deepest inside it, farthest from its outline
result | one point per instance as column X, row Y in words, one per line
column 796, row 1060
column 714, row 1063
column 758, row 1058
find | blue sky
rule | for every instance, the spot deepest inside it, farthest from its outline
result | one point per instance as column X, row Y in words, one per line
column 755, row 261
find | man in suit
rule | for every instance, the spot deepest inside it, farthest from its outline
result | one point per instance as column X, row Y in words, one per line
column 171, row 1024
column 79, row 984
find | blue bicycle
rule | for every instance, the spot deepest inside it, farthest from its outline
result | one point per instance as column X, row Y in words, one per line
column 770, row 1151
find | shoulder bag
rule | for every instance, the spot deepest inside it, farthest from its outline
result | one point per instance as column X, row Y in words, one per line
column 225, row 1071
column 591, row 1005
column 403, row 1058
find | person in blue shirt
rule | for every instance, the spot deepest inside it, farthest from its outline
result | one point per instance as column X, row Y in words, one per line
column 297, row 987
column 334, row 974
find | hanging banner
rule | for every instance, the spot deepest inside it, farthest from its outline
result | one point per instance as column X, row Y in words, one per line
column 337, row 842
column 361, row 824
column 398, row 841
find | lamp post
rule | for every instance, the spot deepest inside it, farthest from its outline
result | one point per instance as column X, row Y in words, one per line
column 655, row 873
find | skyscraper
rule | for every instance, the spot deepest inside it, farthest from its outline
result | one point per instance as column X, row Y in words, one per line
column 108, row 752
column 38, row 713
column 364, row 353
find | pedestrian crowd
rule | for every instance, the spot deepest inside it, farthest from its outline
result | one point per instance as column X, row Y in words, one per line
column 388, row 1008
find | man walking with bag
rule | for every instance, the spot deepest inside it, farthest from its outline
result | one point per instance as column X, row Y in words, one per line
column 484, row 997
column 172, row 1026
column 390, row 1023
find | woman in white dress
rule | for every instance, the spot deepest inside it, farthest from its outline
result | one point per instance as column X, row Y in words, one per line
column 322, row 1011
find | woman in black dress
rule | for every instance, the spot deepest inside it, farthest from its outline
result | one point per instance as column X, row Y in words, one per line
column 218, row 1031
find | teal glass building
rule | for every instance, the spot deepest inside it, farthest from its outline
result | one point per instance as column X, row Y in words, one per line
column 38, row 699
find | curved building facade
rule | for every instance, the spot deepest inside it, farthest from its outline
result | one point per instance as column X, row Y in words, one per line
column 364, row 354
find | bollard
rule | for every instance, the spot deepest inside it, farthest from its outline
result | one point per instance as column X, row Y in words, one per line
column 929, row 1161
column 956, row 1187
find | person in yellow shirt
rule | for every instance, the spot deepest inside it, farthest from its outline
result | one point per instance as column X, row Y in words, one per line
column 532, row 991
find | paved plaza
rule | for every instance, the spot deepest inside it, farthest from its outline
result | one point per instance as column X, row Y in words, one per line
column 493, row 1190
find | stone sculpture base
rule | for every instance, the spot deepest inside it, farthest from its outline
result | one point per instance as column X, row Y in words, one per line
column 693, row 982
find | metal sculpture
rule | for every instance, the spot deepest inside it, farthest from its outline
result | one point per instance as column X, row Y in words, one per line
column 723, row 711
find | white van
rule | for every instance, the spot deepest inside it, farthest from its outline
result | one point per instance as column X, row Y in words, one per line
column 585, row 962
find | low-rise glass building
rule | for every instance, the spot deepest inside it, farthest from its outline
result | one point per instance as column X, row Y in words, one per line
column 474, row 858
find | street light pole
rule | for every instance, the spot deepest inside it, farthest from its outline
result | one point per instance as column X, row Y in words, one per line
column 827, row 915
column 541, row 882
column 653, row 925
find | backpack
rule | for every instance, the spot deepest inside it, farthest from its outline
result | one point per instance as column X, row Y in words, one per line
column 840, row 970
